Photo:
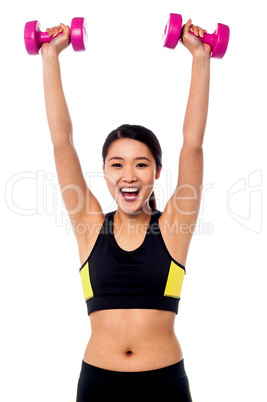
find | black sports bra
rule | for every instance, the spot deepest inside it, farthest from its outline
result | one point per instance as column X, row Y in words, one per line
column 145, row 278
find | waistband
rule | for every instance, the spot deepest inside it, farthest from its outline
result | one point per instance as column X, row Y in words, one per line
column 162, row 375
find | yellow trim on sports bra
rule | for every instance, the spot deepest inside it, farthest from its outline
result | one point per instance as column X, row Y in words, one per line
column 175, row 281
column 86, row 283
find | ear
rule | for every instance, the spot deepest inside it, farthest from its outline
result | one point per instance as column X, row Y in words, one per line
column 158, row 172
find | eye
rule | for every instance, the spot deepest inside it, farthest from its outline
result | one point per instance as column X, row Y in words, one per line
column 118, row 164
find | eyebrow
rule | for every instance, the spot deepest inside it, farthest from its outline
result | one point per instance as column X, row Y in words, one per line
column 140, row 157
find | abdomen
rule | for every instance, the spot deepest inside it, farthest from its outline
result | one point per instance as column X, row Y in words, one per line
column 132, row 340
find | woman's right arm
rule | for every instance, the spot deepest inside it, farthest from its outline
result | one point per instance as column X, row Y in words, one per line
column 81, row 204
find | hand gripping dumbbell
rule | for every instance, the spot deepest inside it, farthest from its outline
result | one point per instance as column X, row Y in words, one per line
column 34, row 37
column 218, row 40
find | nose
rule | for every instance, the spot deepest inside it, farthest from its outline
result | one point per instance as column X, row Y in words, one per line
column 129, row 174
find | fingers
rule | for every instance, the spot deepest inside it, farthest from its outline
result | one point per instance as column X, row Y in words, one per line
column 187, row 26
column 56, row 30
column 65, row 28
column 197, row 30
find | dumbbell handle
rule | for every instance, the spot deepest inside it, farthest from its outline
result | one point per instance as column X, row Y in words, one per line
column 45, row 38
column 210, row 39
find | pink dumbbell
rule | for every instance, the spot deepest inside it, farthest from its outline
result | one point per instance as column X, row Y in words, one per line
column 218, row 40
column 34, row 37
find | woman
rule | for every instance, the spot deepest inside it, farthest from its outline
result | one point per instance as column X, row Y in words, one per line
column 132, row 259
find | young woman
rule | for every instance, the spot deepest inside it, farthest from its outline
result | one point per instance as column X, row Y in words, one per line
column 132, row 259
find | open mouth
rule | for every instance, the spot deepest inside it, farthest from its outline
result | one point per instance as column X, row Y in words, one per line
column 130, row 193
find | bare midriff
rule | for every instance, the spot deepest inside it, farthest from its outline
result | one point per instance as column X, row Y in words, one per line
column 132, row 340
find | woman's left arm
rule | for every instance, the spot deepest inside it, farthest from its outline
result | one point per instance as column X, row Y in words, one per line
column 185, row 202
column 197, row 106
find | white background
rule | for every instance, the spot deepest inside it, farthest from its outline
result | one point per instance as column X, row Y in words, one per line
column 126, row 76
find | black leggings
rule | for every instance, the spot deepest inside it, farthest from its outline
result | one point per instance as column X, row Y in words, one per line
column 168, row 383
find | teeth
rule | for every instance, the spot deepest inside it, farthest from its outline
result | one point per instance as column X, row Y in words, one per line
column 130, row 190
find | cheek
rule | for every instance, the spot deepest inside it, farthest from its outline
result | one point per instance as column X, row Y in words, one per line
column 148, row 180
column 111, row 178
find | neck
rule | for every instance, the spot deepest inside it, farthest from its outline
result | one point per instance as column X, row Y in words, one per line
column 140, row 216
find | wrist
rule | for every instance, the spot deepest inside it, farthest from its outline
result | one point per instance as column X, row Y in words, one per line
column 201, row 55
column 201, row 60
column 49, row 54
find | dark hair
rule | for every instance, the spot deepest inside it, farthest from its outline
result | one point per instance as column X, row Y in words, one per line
column 141, row 134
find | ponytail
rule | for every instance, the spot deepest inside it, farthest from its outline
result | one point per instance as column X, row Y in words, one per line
column 152, row 201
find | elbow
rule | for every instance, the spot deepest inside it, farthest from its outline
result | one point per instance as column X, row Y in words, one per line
column 62, row 141
column 60, row 138
column 194, row 135
column 193, row 144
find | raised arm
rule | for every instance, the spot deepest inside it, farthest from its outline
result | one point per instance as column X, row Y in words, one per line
column 80, row 203
column 58, row 116
column 185, row 202
column 198, row 100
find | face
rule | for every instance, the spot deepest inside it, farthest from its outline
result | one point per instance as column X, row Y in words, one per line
column 130, row 166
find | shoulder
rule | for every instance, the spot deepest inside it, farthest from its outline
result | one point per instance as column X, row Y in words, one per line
column 90, row 233
column 175, row 238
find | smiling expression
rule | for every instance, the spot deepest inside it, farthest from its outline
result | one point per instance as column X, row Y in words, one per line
column 130, row 166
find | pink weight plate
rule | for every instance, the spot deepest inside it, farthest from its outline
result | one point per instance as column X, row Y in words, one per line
column 173, row 30
column 31, row 37
column 79, row 36
column 223, row 34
